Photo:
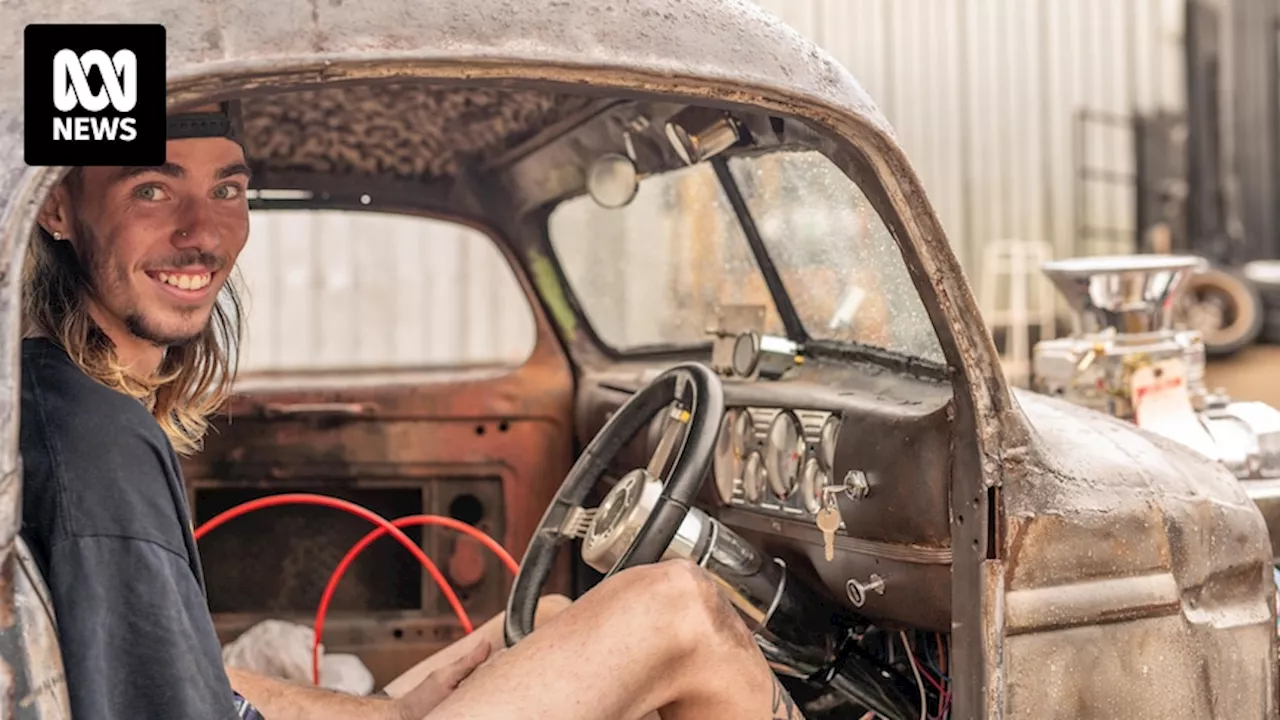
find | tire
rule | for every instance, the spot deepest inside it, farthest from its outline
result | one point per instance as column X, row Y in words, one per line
column 1226, row 308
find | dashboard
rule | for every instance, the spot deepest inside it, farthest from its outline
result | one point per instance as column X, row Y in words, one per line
column 878, row 443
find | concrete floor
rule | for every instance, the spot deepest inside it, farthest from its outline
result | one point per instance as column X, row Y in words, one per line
column 1251, row 374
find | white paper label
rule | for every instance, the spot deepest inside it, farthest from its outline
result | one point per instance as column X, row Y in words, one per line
column 1162, row 404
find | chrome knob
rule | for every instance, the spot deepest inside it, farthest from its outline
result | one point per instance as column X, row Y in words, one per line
column 858, row 590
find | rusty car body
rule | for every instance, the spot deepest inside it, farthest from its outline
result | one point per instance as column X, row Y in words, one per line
column 1077, row 566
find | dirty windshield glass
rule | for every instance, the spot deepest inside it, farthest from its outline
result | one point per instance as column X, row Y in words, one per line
column 839, row 264
column 656, row 272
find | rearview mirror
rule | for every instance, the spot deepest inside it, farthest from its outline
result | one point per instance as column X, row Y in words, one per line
column 612, row 180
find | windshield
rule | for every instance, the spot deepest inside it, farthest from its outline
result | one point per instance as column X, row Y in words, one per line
column 840, row 266
column 657, row 271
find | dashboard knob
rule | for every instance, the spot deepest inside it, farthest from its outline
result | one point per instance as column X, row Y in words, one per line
column 858, row 590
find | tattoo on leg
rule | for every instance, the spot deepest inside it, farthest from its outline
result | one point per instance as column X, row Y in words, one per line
column 784, row 708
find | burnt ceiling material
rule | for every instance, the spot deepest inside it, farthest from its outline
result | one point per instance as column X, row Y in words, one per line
column 407, row 131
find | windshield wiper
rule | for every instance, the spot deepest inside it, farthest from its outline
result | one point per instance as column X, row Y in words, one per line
column 781, row 300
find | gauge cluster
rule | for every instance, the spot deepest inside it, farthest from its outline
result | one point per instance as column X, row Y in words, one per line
column 775, row 460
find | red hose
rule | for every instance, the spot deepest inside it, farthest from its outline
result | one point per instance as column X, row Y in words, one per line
column 412, row 520
column 350, row 507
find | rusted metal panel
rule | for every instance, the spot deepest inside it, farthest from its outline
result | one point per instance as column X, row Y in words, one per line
column 1048, row 673
column 1136, row 570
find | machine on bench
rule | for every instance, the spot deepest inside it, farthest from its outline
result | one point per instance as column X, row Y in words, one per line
column 1127, row 359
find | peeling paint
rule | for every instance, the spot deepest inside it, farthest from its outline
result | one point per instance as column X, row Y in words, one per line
column 547, row 281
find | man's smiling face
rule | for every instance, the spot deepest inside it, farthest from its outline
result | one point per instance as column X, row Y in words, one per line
column 158, row 243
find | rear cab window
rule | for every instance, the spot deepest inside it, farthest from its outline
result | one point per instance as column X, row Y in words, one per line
column 366, row 292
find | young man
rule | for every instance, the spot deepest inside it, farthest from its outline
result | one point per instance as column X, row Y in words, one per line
column 126, row 355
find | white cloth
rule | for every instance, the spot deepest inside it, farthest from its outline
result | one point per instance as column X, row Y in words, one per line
column 281, row 649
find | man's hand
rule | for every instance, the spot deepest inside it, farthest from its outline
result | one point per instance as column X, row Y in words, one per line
column 436, row 687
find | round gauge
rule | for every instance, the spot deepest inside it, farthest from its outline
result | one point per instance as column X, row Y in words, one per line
column 827, row 443
column 784, row 453
column 812, row 480
column 753, row 478
column 746, row 354
column 731, row 451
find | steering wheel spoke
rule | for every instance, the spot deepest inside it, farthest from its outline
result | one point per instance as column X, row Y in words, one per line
column 577, row 522
column 677, row 423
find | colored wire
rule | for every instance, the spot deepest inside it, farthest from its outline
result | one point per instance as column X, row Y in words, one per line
column 924, row 701
column 412, row 520
column 942, row 670
column 350, row 507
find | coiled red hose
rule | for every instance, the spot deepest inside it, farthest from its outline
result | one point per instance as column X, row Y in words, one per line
column 412, row 520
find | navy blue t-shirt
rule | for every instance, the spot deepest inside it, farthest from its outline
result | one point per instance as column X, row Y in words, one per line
column 105, row 513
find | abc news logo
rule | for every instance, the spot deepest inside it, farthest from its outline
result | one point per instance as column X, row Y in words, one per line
column 71, row 91
column 94, row 95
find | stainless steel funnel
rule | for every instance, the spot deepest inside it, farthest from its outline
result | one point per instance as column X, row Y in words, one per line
column 1132, row 293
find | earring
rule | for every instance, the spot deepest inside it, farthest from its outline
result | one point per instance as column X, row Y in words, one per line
column 57, row 235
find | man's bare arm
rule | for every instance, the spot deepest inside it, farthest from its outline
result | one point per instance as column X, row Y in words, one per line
column 283, row 700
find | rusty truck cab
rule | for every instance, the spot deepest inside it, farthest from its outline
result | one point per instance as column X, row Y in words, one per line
column 544, row 206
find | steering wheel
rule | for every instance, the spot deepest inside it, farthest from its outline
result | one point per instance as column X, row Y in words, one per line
column 641, row 516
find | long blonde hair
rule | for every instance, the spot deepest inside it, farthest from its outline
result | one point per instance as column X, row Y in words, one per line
column 194, row 379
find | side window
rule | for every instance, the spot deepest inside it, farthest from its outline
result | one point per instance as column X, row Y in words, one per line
column 362, row 291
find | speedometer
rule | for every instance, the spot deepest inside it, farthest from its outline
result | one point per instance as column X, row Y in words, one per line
column 784, row 453
column 736, row 435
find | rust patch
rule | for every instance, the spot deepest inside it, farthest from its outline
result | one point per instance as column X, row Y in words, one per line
column 1055, row 549
column 467, row 563
column 8, row 614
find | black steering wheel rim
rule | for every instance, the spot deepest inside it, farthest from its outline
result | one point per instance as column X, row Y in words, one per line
column 699, row 388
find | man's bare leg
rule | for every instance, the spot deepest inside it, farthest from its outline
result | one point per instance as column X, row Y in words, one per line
column 658, row 637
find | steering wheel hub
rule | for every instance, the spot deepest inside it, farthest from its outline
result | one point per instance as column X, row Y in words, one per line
column 619, row 518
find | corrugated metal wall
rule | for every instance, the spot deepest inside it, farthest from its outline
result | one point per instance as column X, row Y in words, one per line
column 333, row 290
column 985, row 96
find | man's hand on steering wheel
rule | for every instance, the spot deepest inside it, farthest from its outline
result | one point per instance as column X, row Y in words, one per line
column 643, row 514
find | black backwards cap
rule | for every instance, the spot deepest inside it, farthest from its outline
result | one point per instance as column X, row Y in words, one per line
column 225, row 122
